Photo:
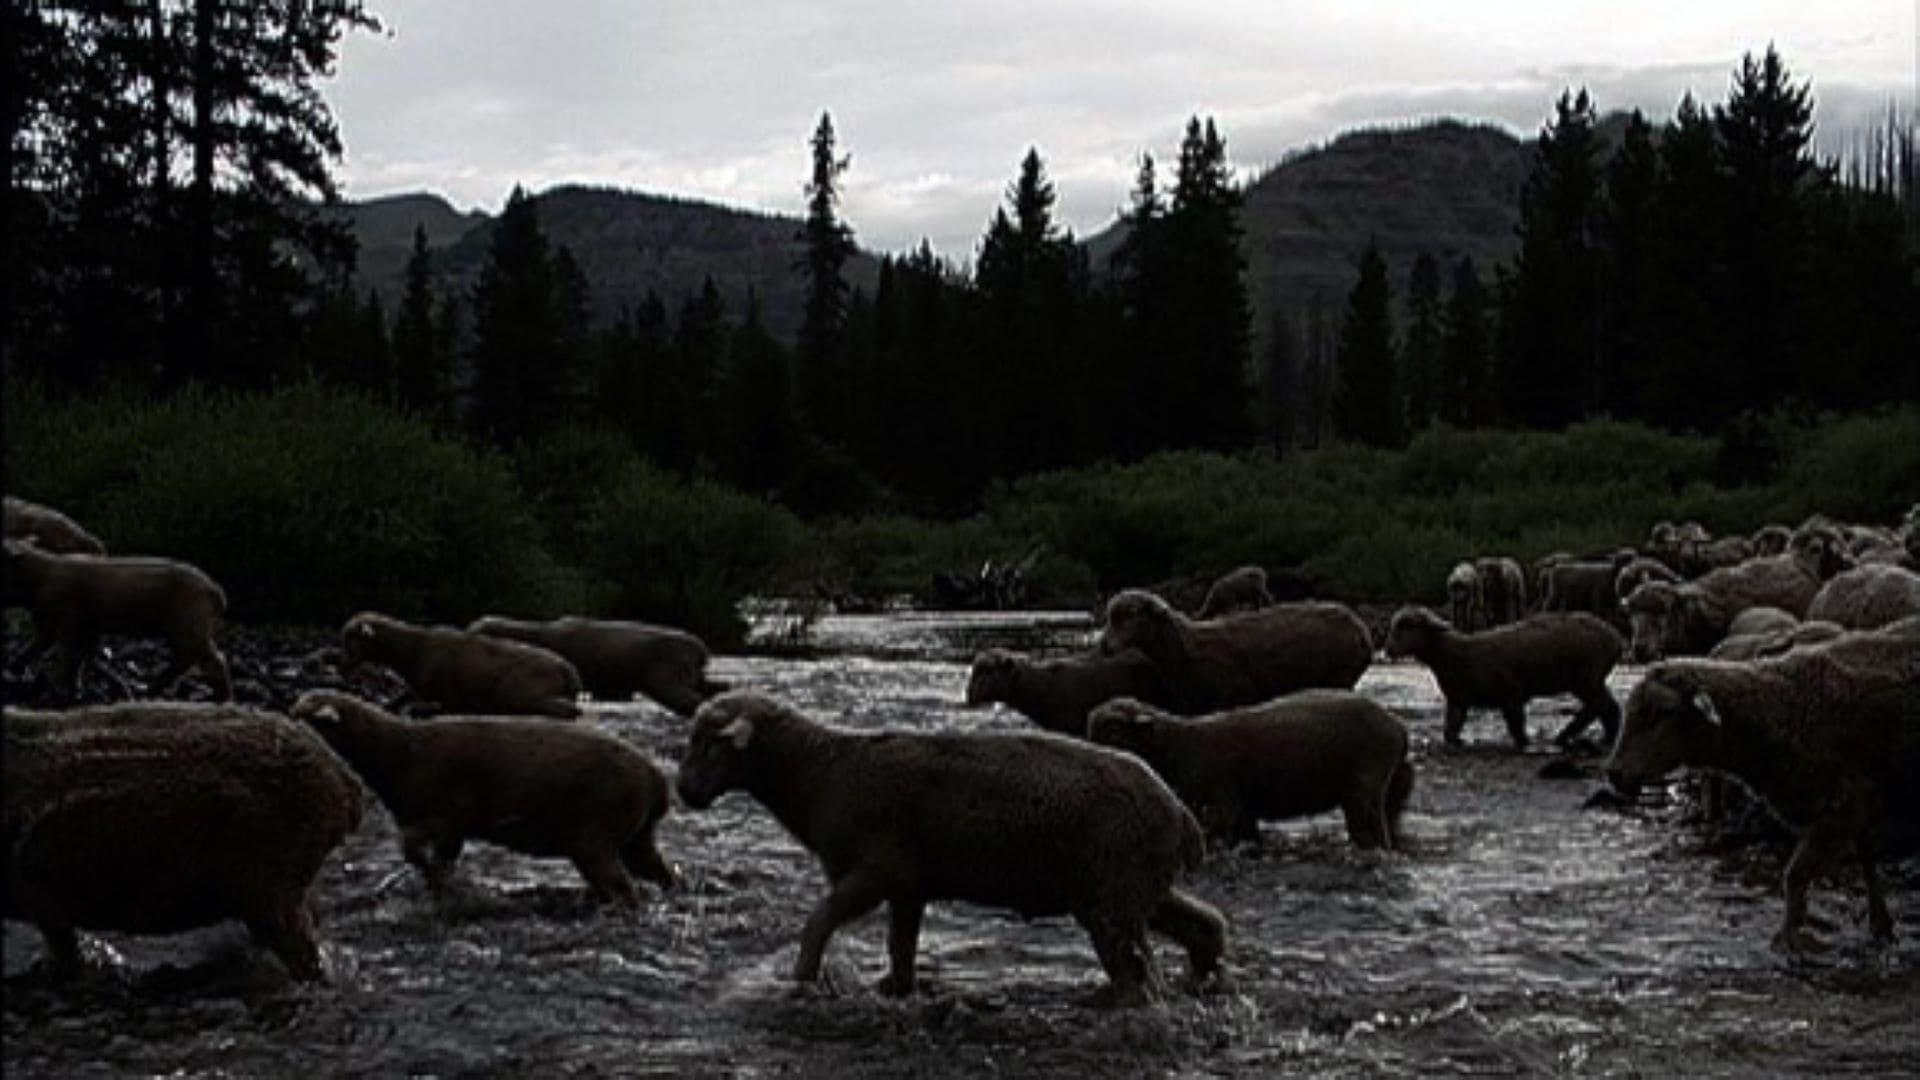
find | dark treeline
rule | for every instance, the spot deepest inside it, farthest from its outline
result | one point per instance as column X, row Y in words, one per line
column 1691, row 276
column 165, row 159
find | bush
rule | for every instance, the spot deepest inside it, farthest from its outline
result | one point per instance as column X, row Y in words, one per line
column 685, row 553
column 307, row 504
column 1863, row 468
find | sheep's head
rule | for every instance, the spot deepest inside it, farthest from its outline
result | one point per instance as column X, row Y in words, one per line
column 1771, row 540
column 332, row 714
column 1821, row 550
column 360, row 638
column 1413, row 631
column 1137, row 619
column 1670, row 721
column 992, row 677
column 487, row 624
column 1244, row 589
column 726, row 731
column 1638, row 573
column 1126, row 724
column 1655, row 610
column 1462, row 582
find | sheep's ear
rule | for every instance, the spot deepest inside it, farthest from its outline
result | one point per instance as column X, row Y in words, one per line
column 326, row 713
column 738, row 732
column 1704, row 705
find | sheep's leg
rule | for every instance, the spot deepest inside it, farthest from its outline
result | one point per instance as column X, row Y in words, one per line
column 288, row 934
column 607, row 877
column 1811, row 856
column 63, row 949
column 1125, row 958
column 1456, row 720
column 643, row 859
column 1199, row 929
column 1516, row 717
column 678, row 696
column 418, row 846
column 1879, row 919
column 851, row 897
column 903, row 941
column 1365, row 812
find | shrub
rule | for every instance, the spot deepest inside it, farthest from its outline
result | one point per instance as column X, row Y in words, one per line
column 306, row 503
column 685, row 552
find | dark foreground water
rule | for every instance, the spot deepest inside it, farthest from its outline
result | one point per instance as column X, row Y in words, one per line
column 1522, row 935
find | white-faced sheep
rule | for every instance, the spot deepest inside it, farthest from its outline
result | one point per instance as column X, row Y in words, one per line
column 77, row 598
column 555, row 790
column 1464, row 600
column 1058, row 693
column 1242, row 659
column 49, row 528
column 1243, row 589
column 1035, row 823
column 1504, row 668
column 453, row 670
column 1303, row 754
column 1827, row 735
column 1867, row 596
column 618, row 659
column 1503, row 590
column 152, row 818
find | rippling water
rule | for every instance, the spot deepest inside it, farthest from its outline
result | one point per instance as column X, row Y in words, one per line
column 1521, row 935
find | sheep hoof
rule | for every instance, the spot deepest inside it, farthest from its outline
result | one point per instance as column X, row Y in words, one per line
column 892, row 985
column 1115, row 996
column 1798, row 943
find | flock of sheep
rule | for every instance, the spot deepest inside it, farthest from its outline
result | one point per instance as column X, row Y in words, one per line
column 1175, row 731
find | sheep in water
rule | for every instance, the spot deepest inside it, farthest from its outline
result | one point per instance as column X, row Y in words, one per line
column 1302, row 754
column 453, row 670
column 617, row 660
column 531, row 786
column 1691, row 617
column 1503, row 590
column 49, row 528
column 1058, row 694
column 1036, row 823
column 77, row 598
column 1244, row 589
column 1464, row 600
column 1242, row 659
column 1507, row 666
column 1827, row 735
column 156, row 818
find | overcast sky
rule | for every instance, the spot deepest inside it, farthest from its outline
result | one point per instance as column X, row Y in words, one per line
column 937, row 101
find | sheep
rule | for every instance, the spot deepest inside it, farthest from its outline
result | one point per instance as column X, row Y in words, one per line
column 1244, row 589
column 1503, row 590
column 1690, row 618
column 1584, row 585
column 1826, row 736
column 1867, row 596
column 1302, row 754
column 1464, row 599
column 527, row 785
column 617, row 660
column 1243, row 659
column 1058, row 694
column 452, row 670
column 49, row 528
column 76, row 598
column 1770, row 540
column 1549, row 653
column 157, row 818
column 1820, row 548
column 1755, row 646
column 1668, row 542
column 1703, row 556
column 1639, row 572
column 1033, row 822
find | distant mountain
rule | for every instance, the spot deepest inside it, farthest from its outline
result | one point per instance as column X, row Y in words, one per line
column 626, row 242
column 1446, row 187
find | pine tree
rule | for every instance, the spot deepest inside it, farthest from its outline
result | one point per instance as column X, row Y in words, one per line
column 1691, row 376
column 1207, row 313
column 1628, row 242
column 517, row 331
column 829, row 244
column 1140, row 378
column 760, row 437
column 1463, row 396
column 1367, row 406
column 1420, row 353
column 1280, row 384
column 420, row 365
column 1764, row 132
column 1548, row 370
